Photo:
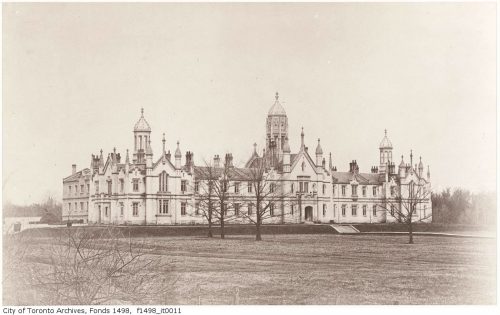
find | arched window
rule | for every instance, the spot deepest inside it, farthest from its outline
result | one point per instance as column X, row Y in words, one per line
column 163, row 182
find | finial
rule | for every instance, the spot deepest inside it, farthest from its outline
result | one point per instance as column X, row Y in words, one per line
column 163, row 137
column 302, row 130
column 177, row 143
column 142, row 111
column 255, row 147
column 114, row 150
column 420, row 159
column 385, row 131
column 318, row 140
column 277, row 96
column 401, row 157
column 101, row 151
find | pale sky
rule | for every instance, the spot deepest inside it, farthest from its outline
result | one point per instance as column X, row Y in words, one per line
column 76, row 75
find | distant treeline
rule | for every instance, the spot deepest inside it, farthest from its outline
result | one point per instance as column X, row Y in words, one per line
column 460, row 206
column 49, row 207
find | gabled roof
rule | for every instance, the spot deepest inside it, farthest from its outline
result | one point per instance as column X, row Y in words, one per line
column 77, row 175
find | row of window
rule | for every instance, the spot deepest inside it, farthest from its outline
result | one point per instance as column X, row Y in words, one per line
column 354, row 210
column 83, row 207
column 354, row 190
column 82, row 189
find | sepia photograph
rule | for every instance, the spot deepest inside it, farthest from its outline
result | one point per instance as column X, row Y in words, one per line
column 288, row 153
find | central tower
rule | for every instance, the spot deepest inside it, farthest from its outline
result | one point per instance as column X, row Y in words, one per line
column 276, row 130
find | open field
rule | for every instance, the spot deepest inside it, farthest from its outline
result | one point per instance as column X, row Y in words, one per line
column 318, row 269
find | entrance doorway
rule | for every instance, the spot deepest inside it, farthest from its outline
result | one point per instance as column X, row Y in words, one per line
column 309, row 213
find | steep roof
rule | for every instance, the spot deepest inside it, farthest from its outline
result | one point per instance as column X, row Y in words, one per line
column 276, row 109
column 362, row 178
column 142, row 124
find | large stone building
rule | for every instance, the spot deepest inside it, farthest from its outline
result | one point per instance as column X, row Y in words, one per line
column 166, row 189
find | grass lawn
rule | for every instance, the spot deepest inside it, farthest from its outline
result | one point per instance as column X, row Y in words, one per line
column 326, row 269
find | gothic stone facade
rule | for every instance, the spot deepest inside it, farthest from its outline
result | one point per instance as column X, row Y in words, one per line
column 165, row 190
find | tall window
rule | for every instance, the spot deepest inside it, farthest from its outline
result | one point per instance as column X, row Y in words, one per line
column 324, row 209
column 81, row 189
column 81, row 206
column 364, row 210
column 88, row 188
column 354, row 190
column 374, row 210
column 135, row 184
column 109, row 187
column 183, row 208
column 122, row 208
column 122, row 185
column 69, row 208
column 163, row 206
column 392, row 210
column 363, row 191
column 393, row 191
column 76, row 189
column 354, row 210
column 301, row 186
column 374, row 190
column 343, row 210
column 291, row 188
column 271, row 188
column 135, row 209
column 163, row 182
column 236, row 209
column 69, row 192
column 249, row 187
column 249, row 209
column 197, row 208
column 291, row 209
column 106, row 213
column 96, row 187
column 87, row 206
column 197, row 186
column 334, row 211
column 343, row 190
column 183, row 185
column 306, row 187
column 237, row 187
column 224, row 186
column 324, row 189
column 271, row 209
column 333, row 190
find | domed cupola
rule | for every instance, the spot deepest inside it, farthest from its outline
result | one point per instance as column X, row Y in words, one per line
column 142, row 134
column 276, row 129
column 385, row 153
column 142, row 124
column 276, row 109
column 385, row 143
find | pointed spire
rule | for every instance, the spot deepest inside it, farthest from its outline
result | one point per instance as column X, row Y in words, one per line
column 402, row 164
column 127, row 160
column 163, row 141
column 286, row 146
column 428, row 173
column 319, row 150
column 411, row 157
column 255, row 148
column 277, row 96
column 142, row 112
column 178, row 151
column 302, row 138
column 330, row 165
column 149, row 150
column 101, row 160
column 421, row 165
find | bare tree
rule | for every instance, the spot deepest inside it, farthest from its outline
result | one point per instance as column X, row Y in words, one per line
column 407, row 204
column 204, row 193
column 266, row 193
column 99, row 266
